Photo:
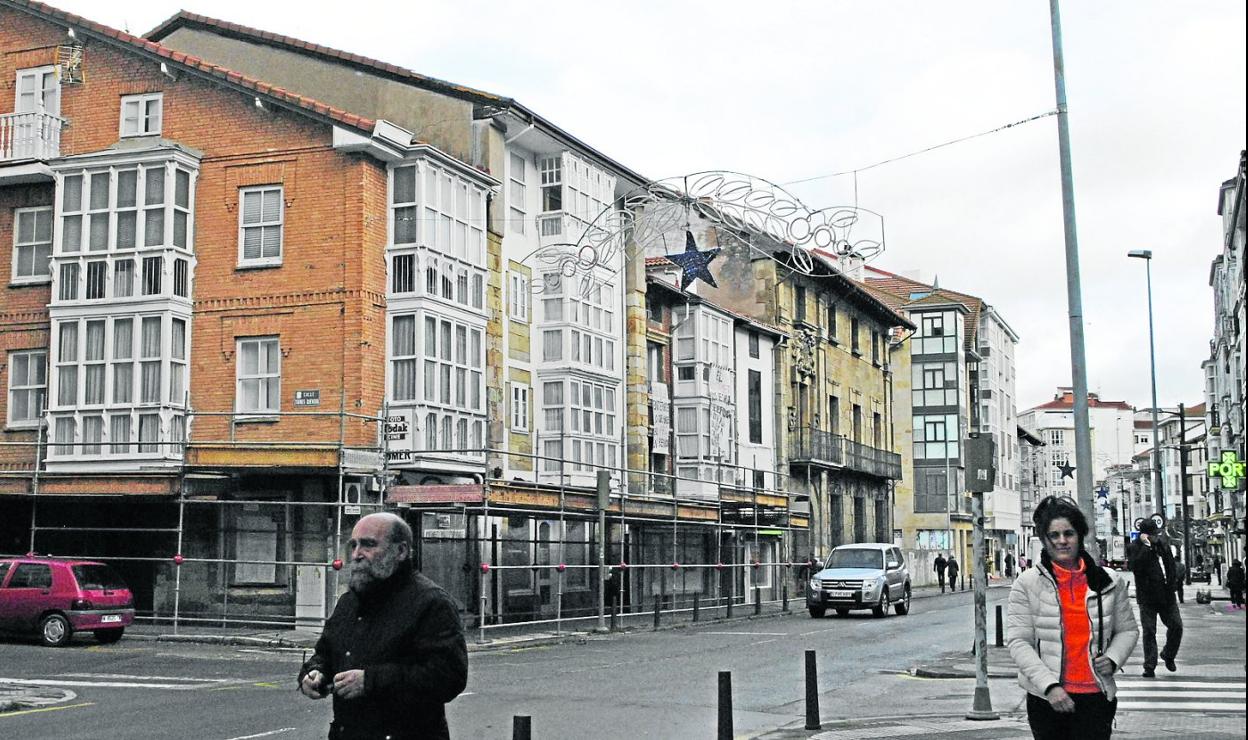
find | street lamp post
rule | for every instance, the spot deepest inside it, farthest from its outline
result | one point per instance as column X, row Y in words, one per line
column 1147, row 256
column 1184, row 485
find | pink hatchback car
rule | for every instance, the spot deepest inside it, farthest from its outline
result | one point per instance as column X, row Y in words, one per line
column 57, row 597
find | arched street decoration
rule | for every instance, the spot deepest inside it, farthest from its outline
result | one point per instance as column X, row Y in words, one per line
column 765, row 217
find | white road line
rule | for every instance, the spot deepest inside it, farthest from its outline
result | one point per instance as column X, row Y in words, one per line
column 1207, row 706
column 112, row 684
column 264, row 734
column 149, row 678
column 747, row 634
column 1223, row 685
column 1232, row 695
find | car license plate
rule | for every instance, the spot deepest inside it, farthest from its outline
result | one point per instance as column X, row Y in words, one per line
column 841, row 594
column 108, row 618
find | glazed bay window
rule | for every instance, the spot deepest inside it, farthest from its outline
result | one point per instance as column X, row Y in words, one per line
column 516, row 194
column 260, row 224
column 28, row 381
column 119, row 380
column 259, row 376
column 437, row 235
column 116, row 224
column 32, row 245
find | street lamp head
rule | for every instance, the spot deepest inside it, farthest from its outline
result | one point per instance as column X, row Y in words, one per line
column 1144, row 254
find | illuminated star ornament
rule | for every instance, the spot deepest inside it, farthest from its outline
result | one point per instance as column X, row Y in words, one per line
column 694, row 264
column 1068, row 470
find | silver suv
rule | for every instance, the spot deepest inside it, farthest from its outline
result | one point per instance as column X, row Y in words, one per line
column 866, row 575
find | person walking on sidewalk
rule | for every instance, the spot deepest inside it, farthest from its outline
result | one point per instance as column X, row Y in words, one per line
column 1235, row 583
column 1217, row 567
column 393, row 652
column 1009, row 565
column 951, row 570
column 940, row 571
column 1070, row 628
column 1150, row 560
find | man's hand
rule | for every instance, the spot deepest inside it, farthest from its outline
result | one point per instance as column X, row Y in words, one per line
column 1060, row 701
column 349, row 684
column 1104, row 665
column 310, row 686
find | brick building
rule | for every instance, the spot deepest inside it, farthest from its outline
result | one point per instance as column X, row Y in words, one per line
column 194, row 331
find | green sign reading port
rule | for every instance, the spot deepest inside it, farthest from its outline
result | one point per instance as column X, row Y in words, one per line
column 1230, row 469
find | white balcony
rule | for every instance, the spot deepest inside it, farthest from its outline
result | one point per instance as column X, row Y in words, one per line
column 26, row 136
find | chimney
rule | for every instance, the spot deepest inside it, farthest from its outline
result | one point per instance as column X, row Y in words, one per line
column 853, row 266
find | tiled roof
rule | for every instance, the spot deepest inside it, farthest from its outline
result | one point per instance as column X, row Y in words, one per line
column 185, row 18
column 217, row 72
column 659, row 262
column 1066, row 402
column 901, row 288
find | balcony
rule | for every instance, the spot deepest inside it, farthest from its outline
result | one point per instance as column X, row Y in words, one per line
column 29, row 136
column 818, row 447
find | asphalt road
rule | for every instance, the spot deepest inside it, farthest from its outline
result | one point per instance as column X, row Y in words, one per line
column 643, row 684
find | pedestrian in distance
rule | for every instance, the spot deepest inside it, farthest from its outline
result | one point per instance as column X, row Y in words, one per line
column 1009, row 565
column 1151, row 562
column 940, row 571
column 1070, row 628
column 951, row 570
column 393, row 652
column 1235, row 584
column 1180, row 576
column 1217, row 567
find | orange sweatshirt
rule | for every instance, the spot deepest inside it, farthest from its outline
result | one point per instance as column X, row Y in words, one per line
column 1072, row 590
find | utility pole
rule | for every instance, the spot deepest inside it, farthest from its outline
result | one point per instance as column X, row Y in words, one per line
column 1074, row 293
column 980, row 457
column 604, row 498
column 1184, row 486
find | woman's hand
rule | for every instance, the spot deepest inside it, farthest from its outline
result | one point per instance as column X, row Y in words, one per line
column 1104, row 665
column 1060, row 701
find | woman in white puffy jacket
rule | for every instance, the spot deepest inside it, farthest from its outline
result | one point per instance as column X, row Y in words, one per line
column 1070, row 629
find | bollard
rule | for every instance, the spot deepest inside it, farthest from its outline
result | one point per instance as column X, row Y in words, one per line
column 615, row 614
column 758, row 601
column 784, row 595
column 695, row 607
column 521, row 727
column 656, row 611
column 725, row 706
column 812, row 693
column 1000, row 628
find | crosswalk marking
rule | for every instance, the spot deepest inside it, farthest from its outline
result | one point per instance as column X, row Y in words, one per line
column 1159, row 695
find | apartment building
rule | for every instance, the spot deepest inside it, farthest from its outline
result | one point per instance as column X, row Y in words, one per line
column 566, row 373
column 1224, row 369
column 197, row 325
column 962, row 382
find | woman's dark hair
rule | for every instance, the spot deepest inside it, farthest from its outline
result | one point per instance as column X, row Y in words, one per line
column 1052, row 507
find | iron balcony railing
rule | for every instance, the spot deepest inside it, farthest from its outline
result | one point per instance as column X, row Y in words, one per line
column 823, row 447
column 29, row 136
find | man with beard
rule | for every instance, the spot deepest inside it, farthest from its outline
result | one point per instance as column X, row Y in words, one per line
column 393, row 653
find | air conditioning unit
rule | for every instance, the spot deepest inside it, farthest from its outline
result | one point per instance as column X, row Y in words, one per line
column 358, row 492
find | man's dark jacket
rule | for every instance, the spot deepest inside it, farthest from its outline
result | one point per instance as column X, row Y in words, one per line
column 939, row 565
column 952, row 568
column 1153, row 585
column 407, row 636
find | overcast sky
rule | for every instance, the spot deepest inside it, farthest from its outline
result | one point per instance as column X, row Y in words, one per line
column 787, row 91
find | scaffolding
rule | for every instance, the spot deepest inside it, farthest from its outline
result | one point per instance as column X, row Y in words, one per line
column 186, row 553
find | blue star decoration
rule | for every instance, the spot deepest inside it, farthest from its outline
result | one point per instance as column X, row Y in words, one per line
column 1068, row 470
column 694, row 264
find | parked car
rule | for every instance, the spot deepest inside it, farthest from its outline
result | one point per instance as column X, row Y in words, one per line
column 866, row 575
column 55, row 597
column 1198, row 573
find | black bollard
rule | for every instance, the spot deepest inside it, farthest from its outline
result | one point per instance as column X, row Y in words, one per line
column 656, row 611
column 812, row 693
column 615, row 614
column 521, row 727
column 695, row 607
column 758, row 600
column 1000, row 628
column 725, row 706
column 784, row 595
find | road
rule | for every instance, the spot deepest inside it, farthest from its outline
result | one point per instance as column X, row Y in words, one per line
column 643, row 684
